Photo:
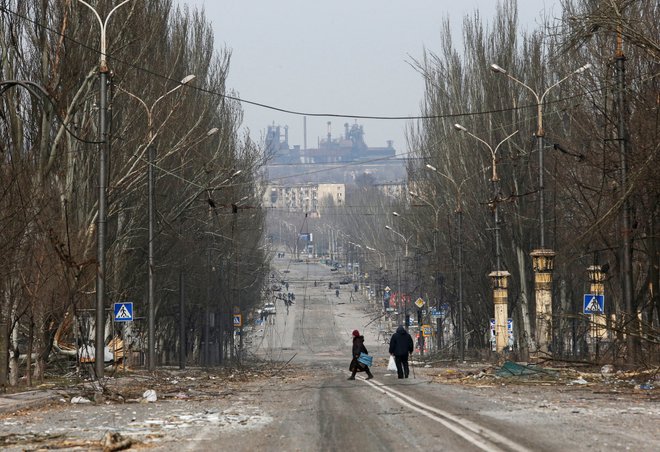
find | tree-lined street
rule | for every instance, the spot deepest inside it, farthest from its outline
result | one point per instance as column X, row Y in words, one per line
column 171, row 279
column 298, row 398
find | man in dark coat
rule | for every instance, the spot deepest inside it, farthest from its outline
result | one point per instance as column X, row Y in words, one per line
column 358, row 347
column 401, row 345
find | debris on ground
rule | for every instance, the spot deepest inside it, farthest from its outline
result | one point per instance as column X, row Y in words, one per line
column 598, row 378
column 579, row 381
column 113, row 441
column 511, row 369
column 149, row 395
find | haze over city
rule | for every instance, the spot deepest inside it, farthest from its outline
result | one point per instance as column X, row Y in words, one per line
column 342, row 57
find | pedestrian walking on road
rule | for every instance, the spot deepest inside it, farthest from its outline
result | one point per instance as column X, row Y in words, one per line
column 356, row 366
column 401, row 345
column 337, row 292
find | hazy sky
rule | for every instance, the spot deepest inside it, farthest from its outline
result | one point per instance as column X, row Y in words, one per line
column 338, row 56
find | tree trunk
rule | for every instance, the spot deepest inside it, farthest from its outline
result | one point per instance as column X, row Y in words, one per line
column 525, row 340
column 4, row 352
column 13, row 358
column 28, row 366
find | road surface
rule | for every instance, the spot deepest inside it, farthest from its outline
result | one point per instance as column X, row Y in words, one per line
column 299, row 398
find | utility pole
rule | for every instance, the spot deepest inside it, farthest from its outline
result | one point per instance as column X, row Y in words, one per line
column 102, row 194
column 542, row 257
column 461, row 332
column 499, row 278
column 626, row 248
column 182, row 321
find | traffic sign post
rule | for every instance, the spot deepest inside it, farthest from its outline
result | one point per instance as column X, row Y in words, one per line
column 238, row 320
column 426, row 330
column 593, row 304
column 492, row 334
column 123, row 312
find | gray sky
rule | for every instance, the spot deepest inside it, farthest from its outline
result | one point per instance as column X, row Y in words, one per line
column 338, row 56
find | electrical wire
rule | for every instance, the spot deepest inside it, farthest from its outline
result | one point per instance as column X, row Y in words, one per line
column 110, row 57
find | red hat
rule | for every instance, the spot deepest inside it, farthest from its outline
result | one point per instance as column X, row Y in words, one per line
column 356, row 333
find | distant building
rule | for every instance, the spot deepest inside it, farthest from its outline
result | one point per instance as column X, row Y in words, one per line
column 349, row 147
column 398, row 190
column 309, row 198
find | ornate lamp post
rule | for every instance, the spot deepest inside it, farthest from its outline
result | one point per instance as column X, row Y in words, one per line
column 500, row 282
column 543, row 286
column 499, row 277
column 597, row 287
column 543, row 265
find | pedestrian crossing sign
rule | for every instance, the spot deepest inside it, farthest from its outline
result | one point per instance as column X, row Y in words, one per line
column 238, row 320
column 593, row 304
column 123, row 312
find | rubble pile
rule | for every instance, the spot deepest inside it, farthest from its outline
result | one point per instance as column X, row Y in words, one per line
column 605, row 378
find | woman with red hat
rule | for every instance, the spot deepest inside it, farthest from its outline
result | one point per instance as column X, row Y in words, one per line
column 358, row 347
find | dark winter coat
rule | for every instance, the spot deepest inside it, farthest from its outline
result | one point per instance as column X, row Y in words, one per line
column 401, row 343
column 358, row 347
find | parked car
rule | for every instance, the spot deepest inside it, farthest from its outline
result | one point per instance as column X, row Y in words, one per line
column 334, row 269
column 270, row 308
column 276, row 288
column 346, row 280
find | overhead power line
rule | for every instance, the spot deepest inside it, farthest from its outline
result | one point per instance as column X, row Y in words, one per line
column 291, row 111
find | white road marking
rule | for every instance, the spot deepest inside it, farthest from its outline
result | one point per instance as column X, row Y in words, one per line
column 478, row 435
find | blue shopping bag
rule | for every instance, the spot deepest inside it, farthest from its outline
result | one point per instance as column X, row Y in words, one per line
column 365, row 359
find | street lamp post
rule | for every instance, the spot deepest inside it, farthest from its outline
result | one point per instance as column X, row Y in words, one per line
column 378, row 253
column 151, row 360
column 436, row 211
column 436, row 257
column 541, row 257
column 540, row 133
column 405, row 240
column 499, row 277
column 102, row 214
column 398, row 265
column 459, row 226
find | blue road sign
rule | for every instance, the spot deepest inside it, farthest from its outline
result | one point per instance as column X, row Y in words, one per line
column 123, row 312
column 593, row 304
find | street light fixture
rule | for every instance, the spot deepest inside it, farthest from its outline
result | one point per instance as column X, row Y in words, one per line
column 436, row 211
column 459, row 227
column 499, row 277
column 103, row 195
column 378, row 253
column 542, row 280
column 151, row 363
column 182, row 305
column 539, row 135
column 405, row 240
column 494, row 179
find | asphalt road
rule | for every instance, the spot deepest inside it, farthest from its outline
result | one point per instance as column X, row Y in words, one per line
column 302, row 400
